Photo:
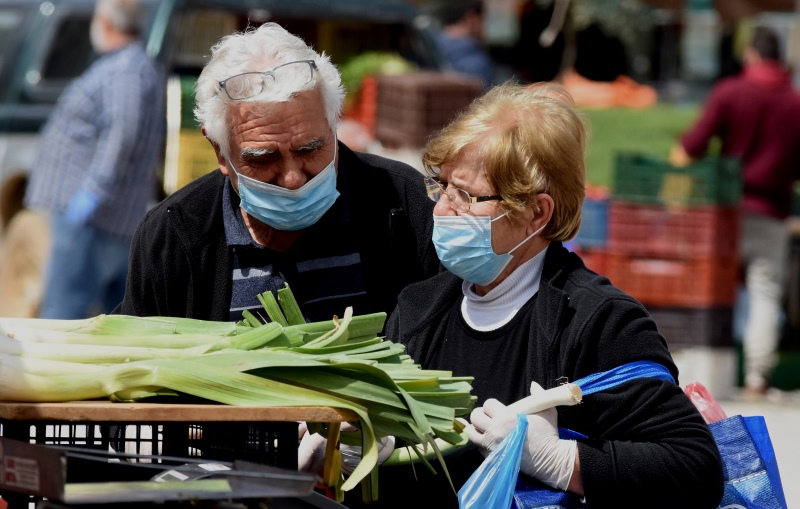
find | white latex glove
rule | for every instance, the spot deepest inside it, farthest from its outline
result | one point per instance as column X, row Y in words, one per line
column 544, row 457
column 311, row 451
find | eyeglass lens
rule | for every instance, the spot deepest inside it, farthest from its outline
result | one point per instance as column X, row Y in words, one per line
column 459, row 199
column 251, row 84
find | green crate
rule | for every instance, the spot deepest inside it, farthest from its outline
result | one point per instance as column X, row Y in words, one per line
column 643, row 178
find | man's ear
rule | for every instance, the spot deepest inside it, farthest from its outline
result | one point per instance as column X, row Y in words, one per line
column 222, row 161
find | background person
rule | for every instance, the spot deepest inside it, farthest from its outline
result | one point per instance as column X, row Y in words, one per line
column 95, row 169
column 515, row 307
column 289, row 203
column 756, row 115
column 461, row 39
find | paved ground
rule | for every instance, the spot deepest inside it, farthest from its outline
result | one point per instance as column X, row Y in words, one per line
column 782, row 414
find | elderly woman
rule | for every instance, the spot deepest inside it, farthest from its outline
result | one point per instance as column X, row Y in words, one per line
column 515, row 307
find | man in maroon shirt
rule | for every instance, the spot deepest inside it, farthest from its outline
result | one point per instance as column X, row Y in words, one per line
column 756, row 116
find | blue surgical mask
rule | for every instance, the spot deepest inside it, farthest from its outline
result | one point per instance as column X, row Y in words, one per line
column 464, row 246
column 289, row 209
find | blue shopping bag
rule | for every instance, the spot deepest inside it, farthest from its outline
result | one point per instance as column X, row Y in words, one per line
column 752, row 479
column 750, row 469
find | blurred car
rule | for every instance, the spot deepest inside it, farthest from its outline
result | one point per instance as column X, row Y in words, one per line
column 43, row 45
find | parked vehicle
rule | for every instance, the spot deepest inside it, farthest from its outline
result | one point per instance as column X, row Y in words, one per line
column 43, row 45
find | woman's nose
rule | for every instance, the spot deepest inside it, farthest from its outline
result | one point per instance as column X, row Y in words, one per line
column 443, row 207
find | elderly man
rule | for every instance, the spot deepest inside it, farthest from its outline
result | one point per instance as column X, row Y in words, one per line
column 288, row 204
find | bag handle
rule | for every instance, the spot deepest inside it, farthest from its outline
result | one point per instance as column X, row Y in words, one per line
column 604, row 380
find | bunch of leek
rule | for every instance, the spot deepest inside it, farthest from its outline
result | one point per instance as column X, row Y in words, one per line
column 278, row 360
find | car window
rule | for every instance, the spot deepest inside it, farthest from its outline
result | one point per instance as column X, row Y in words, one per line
column 13, row 23
column 72, row 52
column 10, row 21
column 195, row 32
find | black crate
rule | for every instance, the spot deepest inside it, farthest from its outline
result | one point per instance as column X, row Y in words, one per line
column 688, row 327
column 219, row 441
column 270, row 443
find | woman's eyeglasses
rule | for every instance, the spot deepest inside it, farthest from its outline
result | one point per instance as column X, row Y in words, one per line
column 460, row 200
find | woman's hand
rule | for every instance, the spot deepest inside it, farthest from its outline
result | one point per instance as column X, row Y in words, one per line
column 544, row 456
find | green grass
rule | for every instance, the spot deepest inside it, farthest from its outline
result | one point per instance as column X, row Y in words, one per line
column 652, row 130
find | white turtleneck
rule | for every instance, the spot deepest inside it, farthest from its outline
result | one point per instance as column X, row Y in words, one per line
column 498, row 307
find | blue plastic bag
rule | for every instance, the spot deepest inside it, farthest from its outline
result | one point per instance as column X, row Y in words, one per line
column 531, row 494
column 492, row 484
column 752, row 480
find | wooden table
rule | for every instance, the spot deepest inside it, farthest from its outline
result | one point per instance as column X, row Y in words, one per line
column 106, row 411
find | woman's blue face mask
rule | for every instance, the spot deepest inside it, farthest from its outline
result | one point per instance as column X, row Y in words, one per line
column 464, row 246
column 289, row 209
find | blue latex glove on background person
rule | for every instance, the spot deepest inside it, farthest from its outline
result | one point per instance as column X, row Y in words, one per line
column 545, row 456
column 81, row 207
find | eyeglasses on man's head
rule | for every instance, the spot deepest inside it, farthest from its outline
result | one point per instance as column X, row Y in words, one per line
column 250, row 84
column 460, row 200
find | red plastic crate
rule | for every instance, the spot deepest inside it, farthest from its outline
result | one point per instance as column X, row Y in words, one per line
column 653, row 231
column 594, row 259
column 696, row 282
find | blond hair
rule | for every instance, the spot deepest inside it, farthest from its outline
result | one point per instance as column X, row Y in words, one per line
column 531, row 140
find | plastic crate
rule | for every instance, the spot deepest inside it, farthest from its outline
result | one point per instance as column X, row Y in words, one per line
column 219, row 441
column 647, row 230
column 162, row 444
column 594, row 259
column 695, row 282
column 189, row 155
column 414, row 105
column 644, row 178
column 690, row 327
column 593, row 232
column 363, row 108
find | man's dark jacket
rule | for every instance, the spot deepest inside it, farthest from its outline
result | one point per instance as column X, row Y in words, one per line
column 182, row 266
column 648, row 445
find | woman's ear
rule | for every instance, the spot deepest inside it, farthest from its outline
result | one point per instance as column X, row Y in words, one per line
column 545, row 205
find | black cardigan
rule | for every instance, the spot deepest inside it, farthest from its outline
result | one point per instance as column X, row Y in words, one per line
column 648, row 446
column 181, row 264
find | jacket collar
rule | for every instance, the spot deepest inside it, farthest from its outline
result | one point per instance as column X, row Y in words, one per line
column 768, row 73
column 552, row 301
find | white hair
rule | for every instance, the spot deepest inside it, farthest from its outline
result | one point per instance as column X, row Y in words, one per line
column 254, row 50
column 124, row 15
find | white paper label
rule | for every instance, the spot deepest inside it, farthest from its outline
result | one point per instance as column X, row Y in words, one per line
column 21, row 473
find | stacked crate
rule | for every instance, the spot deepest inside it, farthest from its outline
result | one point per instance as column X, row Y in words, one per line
column 673, row 237
column 592, row 238
column 414, row 105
